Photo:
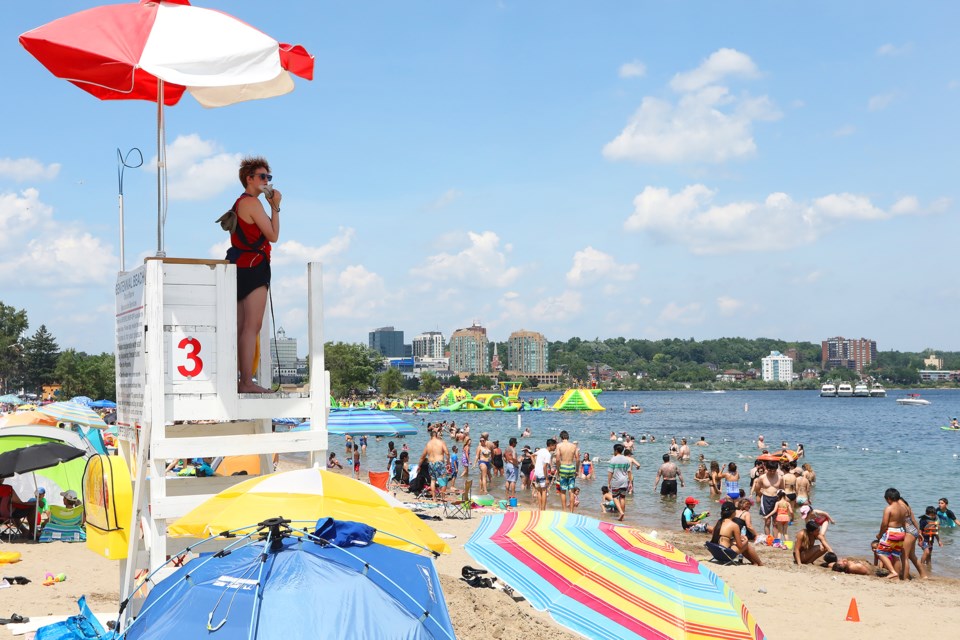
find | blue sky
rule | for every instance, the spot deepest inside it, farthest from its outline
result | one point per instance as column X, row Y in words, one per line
column 669, row 169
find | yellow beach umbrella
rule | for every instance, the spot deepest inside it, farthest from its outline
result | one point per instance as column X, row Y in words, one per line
column 304, row 496
column 26, row 418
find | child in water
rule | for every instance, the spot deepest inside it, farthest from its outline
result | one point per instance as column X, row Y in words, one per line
column 607, row 503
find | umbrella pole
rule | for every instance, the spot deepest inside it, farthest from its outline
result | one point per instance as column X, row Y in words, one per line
column 161, row 168
column 123, row 262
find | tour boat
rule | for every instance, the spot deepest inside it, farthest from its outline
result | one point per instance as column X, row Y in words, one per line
column 828, row 391
column 844, row 390
column 861, row 390
column 877, row 391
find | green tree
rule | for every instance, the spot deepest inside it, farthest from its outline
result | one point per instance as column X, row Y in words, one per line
column 40, row 355
column 390, row 381
column 13, row 322
column 351, row 367
column 429, row 382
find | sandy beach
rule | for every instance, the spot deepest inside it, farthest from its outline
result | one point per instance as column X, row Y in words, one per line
column 781, row 596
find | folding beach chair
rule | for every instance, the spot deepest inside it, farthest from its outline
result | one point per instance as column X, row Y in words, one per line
column 462, row 507
column 64, row 525
column 722, row 555
column 379, row 479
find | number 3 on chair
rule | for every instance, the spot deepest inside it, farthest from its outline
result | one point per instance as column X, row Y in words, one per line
column 192, row 348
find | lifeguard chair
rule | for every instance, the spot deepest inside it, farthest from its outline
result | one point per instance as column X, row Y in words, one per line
column 176, row 371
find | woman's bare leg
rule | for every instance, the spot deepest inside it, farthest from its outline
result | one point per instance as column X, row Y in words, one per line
column 249, row 322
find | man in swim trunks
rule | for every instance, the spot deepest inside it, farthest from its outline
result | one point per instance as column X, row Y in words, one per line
column 540, row 466
column 568, row 457
column 619, row 478
column 669, row 473
column 684, row 453
column 766, row 487
column 892, row 533
column 436, row 455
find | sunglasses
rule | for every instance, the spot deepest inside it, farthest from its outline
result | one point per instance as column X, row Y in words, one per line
column 264, row 176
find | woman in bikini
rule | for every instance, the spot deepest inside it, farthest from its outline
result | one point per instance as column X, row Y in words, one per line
column 702, row 475
column 715, row 478
column 727, row 533
column 743, row 515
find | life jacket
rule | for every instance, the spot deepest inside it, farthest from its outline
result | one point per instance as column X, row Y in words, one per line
column 931, row 528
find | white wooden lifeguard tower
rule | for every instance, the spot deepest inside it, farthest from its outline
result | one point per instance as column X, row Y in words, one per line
column 176, row 352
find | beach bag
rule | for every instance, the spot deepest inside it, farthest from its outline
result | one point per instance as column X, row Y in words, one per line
column 228, row 221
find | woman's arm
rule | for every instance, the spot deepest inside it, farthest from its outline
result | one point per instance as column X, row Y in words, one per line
column 269, row 225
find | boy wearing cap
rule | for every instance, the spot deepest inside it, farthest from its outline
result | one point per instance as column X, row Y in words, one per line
column 690, row 520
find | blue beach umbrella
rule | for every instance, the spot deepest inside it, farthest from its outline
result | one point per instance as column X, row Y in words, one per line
column 73, row 412
column 103, row 404
column 12, row 399
column 363, row 422
column 294, row 586
column 84, row 400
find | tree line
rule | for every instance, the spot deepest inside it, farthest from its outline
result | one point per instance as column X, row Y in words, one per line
column 31, row 361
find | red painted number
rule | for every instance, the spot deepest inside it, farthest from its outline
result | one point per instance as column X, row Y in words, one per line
column 193, row 356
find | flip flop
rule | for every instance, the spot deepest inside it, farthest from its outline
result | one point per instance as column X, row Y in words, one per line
column 14, row 618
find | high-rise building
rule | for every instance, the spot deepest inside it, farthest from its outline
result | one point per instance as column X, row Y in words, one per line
column 776, row 367
column 468, row 350
column 849, row 354
column 527, row 352
column 283, row 354
column 387, row 341
column 429, row 344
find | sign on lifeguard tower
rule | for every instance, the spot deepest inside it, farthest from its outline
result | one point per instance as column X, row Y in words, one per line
column 176, row 375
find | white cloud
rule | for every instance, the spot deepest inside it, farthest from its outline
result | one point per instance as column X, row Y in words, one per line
column 810, row 278
column 674, row 313
column 891, row 50
column 74, row 259
column 844, row 131
column 591, row 265
column 21, row 215
column 23, row 169
column 632, row 69
column 197, row 169
column 357, row 293
column 545, row 309
column 728, row 306
column 445, row 200
column 880, row 102
column 721, row 64
column 707, row 124
column 691, row 218
column 953, row 85
column 294, row 252
column 482, row 263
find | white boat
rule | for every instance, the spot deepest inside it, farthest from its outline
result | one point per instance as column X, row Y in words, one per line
column 844, row 390
column 877, row 391
column 828, row 391
column 861, row 390
column 912, row 399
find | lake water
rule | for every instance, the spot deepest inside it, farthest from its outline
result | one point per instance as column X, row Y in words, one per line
column 858, row 446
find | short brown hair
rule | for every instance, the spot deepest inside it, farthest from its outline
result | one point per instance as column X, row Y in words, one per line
column 249, row 165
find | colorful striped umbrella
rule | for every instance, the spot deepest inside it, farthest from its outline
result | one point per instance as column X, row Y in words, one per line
column 609, row 581
column 305, row 496
column 364, row 422
column 73, row 412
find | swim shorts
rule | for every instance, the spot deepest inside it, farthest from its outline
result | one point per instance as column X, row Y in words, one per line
column 510, row 472
column 438, row 473
column 567, row 477
column 891, row 544
column 253, row 278
column 767, row 505
column 619, row 493
column 540, row 481
column 668, row 488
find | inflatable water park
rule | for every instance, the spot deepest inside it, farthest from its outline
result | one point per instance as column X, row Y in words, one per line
column 459, row 399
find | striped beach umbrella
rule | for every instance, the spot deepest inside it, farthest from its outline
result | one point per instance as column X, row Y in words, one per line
column 364, row 422
column 73, row 412
column 609, row 581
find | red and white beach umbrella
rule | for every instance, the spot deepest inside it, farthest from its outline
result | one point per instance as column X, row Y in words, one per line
column 157, row 50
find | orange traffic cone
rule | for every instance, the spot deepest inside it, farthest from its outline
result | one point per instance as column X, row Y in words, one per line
column 852, row 614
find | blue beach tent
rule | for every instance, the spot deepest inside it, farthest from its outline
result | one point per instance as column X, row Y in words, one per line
column 293, row 587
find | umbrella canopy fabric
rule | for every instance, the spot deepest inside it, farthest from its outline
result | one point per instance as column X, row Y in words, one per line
column 608, row 581
column 11, row 399
column 84, row 400
column 55, row 479
column 121, row 51
column 103, row 404
column 73, row 412
column 363, row 422
column 301, row 590
column 37, row 456
column 306, row 495
column 25, row 418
